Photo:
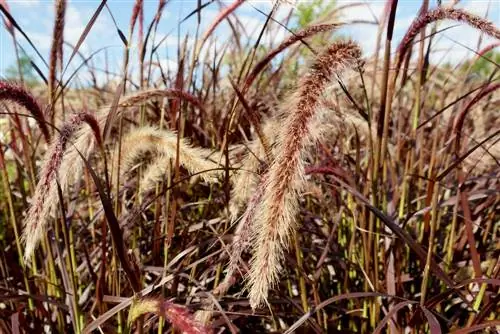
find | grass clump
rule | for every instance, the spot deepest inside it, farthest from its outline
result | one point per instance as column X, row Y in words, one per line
column 291, row 187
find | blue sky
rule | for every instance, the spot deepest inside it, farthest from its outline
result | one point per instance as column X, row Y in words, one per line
column 36, row 18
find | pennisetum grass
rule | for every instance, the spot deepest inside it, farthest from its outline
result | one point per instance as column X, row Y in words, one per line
column 84, row 142
column 164, row 144
column 246, row 180
column 45, row 198
column 277, row 209
column 17, row 94
column 417, row 25
column 260, row 151
column 444, row 13
column 396, row 208
column 56, row 50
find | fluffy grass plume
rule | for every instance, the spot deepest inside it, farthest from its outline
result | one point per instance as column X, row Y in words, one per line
column 56, row 50
column 84, row 142
column 45, row 199
column 442, row 13
column 275, row 216
column 164, row 143
column 329, row 121
column 241, row 242
column 247, row 176
column 18, row 95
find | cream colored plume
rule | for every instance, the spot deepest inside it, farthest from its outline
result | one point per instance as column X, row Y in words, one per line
column 164, row 144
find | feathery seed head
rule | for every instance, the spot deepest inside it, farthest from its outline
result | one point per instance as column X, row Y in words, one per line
column 164, row 143
column 275, row 220
column 19, row 95
column 442, row 13
column 72, row 166
column 44, row 200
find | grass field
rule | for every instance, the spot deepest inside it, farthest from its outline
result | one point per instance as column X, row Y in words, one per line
column 300, row 187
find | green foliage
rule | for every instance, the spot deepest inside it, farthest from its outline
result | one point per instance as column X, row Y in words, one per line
column 309, row 11
column 26, row 69
column 485, row 65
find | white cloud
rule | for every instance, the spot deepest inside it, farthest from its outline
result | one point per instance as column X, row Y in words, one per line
column 458, row 42
column 41, row 40
column 25, row 3
column 364, row 12
column 363, row 33
column 482, row 7
column 74, row 25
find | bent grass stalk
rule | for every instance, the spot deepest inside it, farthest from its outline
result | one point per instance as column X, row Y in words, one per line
column 72, row 166
column 298, row 36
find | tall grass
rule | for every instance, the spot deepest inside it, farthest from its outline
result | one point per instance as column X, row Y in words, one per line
column 297, row 187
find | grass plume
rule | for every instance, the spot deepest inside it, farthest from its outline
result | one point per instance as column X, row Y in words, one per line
column 277, row 210
column 45, row 199
column 19, row 95
column 442, row 13
column 56, row 50
column 84, row 142
column 164, row 143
